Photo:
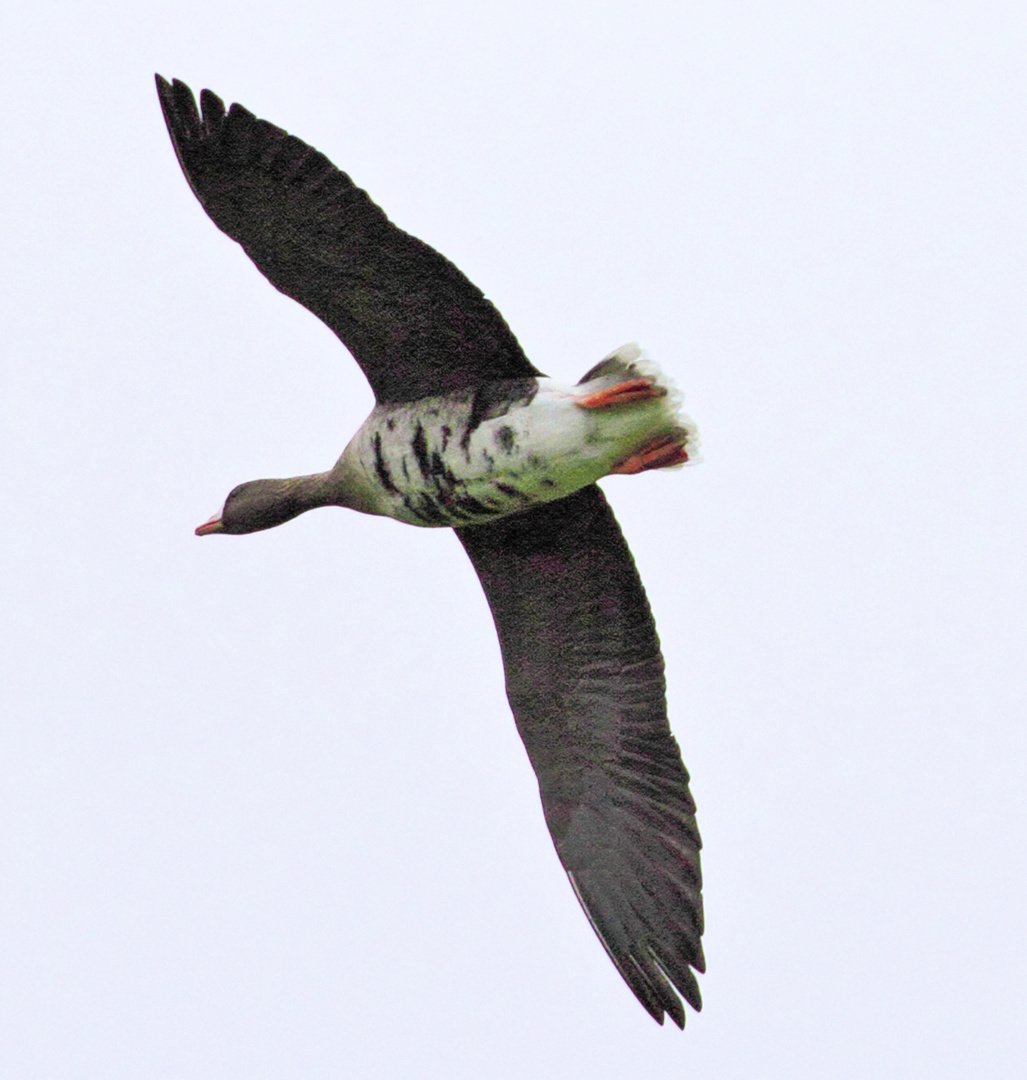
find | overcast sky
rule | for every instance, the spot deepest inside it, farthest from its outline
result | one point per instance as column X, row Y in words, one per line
column 263, row 810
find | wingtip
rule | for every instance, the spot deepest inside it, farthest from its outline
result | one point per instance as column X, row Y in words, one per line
column 163, row 90
column 660, row 1010
column 168, row 88
column 652, row 979
column 212, row 109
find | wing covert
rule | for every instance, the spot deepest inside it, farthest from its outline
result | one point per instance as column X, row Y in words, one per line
column 414, row 323
column 584, row 677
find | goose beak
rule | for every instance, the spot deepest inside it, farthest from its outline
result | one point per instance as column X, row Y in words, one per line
column 212, row 526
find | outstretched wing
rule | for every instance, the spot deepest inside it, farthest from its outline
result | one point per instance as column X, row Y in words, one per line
column 584, row 675
column 416, row 326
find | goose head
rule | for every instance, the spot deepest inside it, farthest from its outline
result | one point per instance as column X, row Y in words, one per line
column 263, row 504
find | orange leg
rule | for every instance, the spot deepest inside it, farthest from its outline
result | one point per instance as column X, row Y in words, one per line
column 661, row 453
column 622, row 394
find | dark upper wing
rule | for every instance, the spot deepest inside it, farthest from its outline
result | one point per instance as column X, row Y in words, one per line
column 416, row 326
column 584, row 675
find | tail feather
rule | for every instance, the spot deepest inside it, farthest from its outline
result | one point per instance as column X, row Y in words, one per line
column 632, row 362
column 621, row 364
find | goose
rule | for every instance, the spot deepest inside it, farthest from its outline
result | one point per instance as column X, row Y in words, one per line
column 467, row 434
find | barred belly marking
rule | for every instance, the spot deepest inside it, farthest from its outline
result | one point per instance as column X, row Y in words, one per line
column 491, row 451
column 442, row 461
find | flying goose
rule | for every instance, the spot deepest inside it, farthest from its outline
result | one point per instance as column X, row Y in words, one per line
column 466, row 433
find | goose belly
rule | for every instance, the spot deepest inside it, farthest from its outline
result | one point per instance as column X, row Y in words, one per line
column 468, row 459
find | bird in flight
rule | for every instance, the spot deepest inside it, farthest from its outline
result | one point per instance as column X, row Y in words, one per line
column 466, row 433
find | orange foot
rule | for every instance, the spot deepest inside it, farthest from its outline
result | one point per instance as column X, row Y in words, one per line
column 622, row 394
column 661, row 453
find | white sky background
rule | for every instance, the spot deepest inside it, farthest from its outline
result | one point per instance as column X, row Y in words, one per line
column 263, row 810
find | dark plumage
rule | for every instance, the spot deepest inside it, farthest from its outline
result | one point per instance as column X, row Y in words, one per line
column 415, row 325
column 584, row 675
column 584, row 672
